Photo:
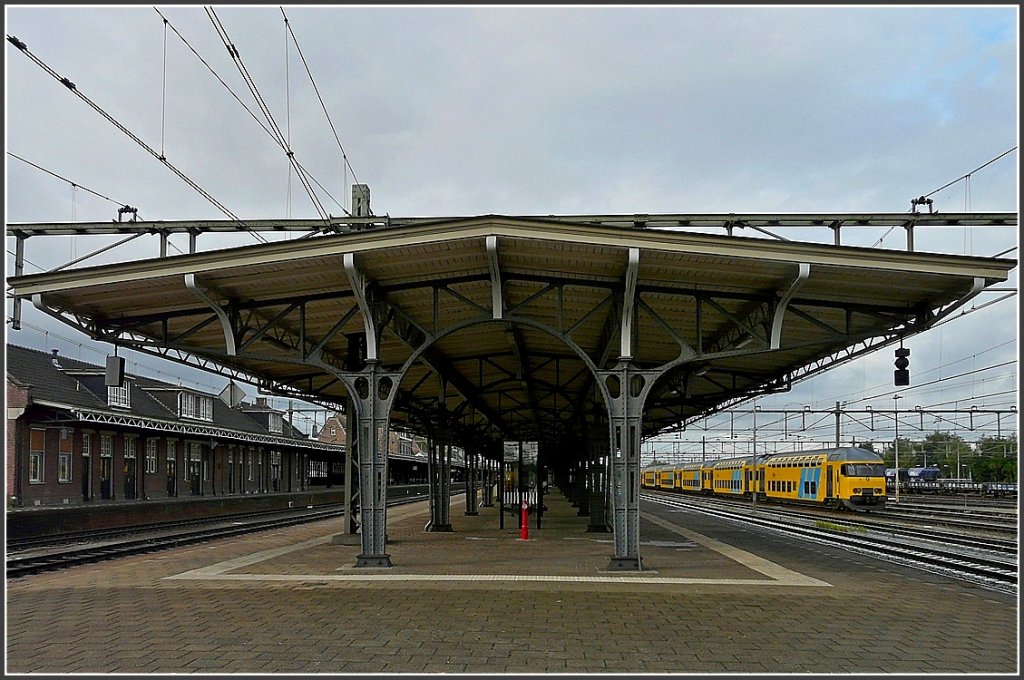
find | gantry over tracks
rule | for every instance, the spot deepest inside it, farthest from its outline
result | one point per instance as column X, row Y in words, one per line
column 584, row 334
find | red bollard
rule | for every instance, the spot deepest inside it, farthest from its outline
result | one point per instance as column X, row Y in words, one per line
column 524, row 523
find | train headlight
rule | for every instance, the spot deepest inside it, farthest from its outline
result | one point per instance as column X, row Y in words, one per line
column 857, row 490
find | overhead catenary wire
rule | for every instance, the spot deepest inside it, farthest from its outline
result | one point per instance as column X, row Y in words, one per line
column 131, row 135
column 87, row 189
column 254, row 90
column 347, row 165
column 288, row 118
column 968, row 175
column 949, row 184
column 65, row 179
column 245, row 106
column 729, row 414
column 163, row 94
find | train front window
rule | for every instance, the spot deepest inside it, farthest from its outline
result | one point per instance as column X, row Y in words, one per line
column 864, row 470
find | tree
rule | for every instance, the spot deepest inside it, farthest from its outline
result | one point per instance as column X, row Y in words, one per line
column 907, row 451
column 995, row 460
column 943, row 449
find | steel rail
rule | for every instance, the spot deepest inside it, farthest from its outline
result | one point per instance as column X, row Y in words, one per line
column 992, row 573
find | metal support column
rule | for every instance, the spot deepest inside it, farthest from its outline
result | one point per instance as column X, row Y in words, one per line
column 433, row 487
column 581, row 479
column 626, row 388
column 488, row 483
column 446, row 486
column 597, row 484
column 472, row 470
column 372, row 395
column 439, row 472
column 351, row 472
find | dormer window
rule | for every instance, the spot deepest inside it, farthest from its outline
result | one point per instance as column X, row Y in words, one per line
column 119, row 395
column 196, row 406
column 276, row 423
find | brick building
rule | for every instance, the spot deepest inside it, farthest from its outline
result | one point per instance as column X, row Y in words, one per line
column 72, row 439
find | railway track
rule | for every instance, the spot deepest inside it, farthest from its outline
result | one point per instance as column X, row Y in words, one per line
column 989, row 564
column 974, row 519
column 87, row 547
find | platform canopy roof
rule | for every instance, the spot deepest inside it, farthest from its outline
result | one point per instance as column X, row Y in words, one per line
column 499, row 321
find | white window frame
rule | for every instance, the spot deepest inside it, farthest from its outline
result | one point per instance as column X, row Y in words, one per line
column 106, row 445
column 37, row 460
column 64, row 468
column 119, row 395
column 275, row 423
column 130, row 447
column 151, row 456
column 65, row 455
column 195, row 406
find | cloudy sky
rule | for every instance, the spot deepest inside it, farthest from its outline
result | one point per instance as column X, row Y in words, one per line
column 447, row 111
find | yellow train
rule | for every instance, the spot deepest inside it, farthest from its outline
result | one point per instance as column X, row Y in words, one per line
column 847, row 477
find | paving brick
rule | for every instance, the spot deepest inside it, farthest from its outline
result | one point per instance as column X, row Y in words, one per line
column 126, row 616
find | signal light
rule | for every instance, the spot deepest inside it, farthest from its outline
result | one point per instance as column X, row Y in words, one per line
column 901, row 376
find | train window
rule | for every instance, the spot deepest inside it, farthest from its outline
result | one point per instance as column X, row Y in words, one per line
column 863, row 470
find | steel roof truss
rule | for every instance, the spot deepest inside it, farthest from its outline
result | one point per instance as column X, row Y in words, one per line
column 685, row 350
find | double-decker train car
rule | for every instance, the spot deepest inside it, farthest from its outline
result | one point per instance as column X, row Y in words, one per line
column 846, row 477
column 734, row 476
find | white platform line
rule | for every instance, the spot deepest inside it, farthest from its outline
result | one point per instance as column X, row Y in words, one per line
column 199, row 575
column 778, row 575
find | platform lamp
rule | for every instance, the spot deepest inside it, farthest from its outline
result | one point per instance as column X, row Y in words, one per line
column 896, row 447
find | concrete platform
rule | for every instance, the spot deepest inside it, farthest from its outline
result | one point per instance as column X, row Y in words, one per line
column 714, row 598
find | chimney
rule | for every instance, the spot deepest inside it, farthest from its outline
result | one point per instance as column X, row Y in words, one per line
column 261, row 402
column 53, row 358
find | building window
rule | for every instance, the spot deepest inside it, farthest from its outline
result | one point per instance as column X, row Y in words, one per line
column 129, row 447
column 64, row 467
column 86, row 444
column 196, row 406
column 64, row 456
column 151, row 456
column 119, row 395
column 276, row 424
column 252, row 462
column 36, row 456
column 171, row 453
column 333, row 432
column 106, row 445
